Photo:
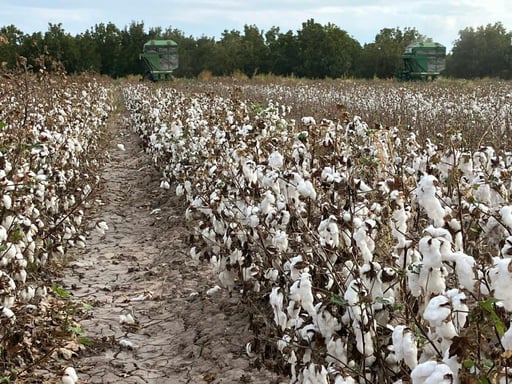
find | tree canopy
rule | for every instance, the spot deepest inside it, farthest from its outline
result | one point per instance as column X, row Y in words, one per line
column 313, row 51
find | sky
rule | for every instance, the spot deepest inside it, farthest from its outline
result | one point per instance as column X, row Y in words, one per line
column 439, row 19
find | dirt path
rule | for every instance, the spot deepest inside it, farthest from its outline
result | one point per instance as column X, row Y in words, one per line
column 141, row 267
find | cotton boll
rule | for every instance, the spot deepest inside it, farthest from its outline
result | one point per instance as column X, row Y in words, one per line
column 70, row 371
column 101, row 227
column 430, row 250
column 276, row 160
column 426, row 196
column 336, row 351
column 404, row 345
column 460, row 309
column 431, row 372
column 126, row 319
column 276, row 302
column 305, row 189
column 506, row 215
column 501, row 281
column 506, row 339
column 437, row 310
column 227, row 279
column 280, row 241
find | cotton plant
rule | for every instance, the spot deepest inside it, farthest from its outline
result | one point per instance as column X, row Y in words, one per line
column 298, row 201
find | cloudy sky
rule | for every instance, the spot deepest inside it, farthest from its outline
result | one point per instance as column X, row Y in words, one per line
column 439, row 19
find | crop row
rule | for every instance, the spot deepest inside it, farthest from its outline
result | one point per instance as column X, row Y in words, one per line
column 50, row 132
column 369, row 257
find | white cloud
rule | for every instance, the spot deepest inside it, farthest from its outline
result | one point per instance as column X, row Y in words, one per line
column 441, row 20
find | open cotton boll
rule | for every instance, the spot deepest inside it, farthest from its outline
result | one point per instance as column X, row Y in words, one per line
column 506, row 215
column 506, row 339
column 437, row 310
column 430, row 250
column 501, row 281
column 305, row 189
column 276, row 302
column 276, row 160
column 404, row 345
column 426, row 195
column 432, row 372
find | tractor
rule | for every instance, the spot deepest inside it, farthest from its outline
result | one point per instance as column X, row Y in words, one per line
column 160, row 59
column 422, row 61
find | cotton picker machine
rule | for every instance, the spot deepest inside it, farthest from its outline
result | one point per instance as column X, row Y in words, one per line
column 160, row 59
column 422, row 61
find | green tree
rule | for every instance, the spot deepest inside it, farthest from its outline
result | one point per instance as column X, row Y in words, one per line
column 254, row 51
column 283, row 51
column 61, row 48
column 480, row 52
column 11, row 39
column 325, row 51
column 108, row 45
column 382, row 58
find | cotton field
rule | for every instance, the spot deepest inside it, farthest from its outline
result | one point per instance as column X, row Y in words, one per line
column 367, row 225
column 370, row 253
column 50, row 132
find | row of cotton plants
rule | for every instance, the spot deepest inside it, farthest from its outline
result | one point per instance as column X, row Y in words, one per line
column 447, row 105
column 50, row 131
column 372, row 257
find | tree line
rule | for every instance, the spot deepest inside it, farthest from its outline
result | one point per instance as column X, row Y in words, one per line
column 314, row 51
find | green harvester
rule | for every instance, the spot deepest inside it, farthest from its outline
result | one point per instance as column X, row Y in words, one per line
column 160, row 59
column 422, row 61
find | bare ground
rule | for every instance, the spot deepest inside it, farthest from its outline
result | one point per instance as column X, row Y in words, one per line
column 141, row 267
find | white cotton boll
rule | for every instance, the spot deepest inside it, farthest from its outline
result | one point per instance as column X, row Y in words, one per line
column 121, row 147
column 308, row 120
column 70, row 371
column 280, row 240
column 328, row 232
column 432, row 280
column 101, row 227
column 126, row 319
column 180, row 190
column 430, row 371
column 460, row 309
column 305, row 189
column 426, row 195
column 164, row 184
column 336, row 351
column 437, row 310
column 339, row 379
column 404, row 345
column 271, row 274
column 3, row 234
column 276, row 160
column 125, row 343
column 430, row 249
column 501, row 281
column 227, row 279
column 326, row 323
column 465, row 269
column 8, row 313
column 7, row 201
column 212, row 291
column 276, row 302
column 506, row 339
column 306, row 294
column 506, row 215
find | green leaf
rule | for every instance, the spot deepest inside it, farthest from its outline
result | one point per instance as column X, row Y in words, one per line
column 468, row 363
column 85, row 341
column 58, row 290
column 76, row 329
column 2, row 125
column 338, row 300
column 86, row 306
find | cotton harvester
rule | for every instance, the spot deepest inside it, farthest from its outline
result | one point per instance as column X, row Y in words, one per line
column 422, row 61
column 160, row 58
